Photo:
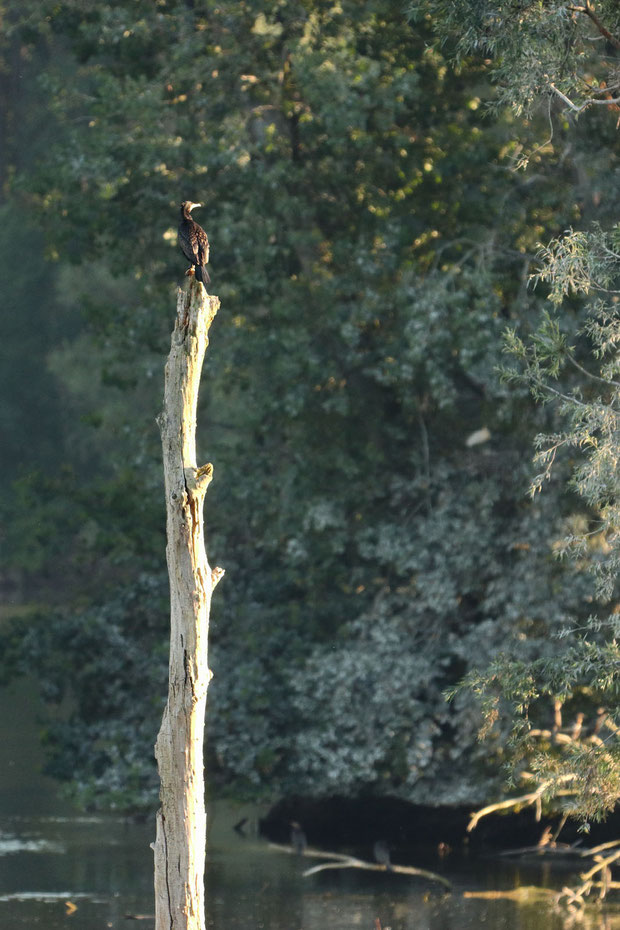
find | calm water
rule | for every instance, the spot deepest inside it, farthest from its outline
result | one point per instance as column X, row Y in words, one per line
column 103, row 867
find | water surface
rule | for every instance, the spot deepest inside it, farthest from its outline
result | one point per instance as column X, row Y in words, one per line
column 60, row 869
column 89, row 873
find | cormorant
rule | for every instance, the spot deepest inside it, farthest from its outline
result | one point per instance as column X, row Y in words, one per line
column 382, row 854
column 298, row 838
column 193, row 242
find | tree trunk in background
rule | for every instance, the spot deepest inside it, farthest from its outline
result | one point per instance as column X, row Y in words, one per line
column 181, row 822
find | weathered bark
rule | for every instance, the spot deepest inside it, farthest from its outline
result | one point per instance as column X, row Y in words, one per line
column 181, row 822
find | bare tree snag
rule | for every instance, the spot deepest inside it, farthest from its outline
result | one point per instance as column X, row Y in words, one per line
column 181, row 822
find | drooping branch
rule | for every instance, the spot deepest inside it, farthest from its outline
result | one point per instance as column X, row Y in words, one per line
column 524, row 800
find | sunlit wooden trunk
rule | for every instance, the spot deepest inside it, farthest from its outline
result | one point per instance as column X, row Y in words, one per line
column 181, row 822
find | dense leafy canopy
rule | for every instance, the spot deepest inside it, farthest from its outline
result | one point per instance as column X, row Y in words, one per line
column 371, row 241
column 570, row 362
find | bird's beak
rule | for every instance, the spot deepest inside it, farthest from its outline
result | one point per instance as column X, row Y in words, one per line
column 195, row 205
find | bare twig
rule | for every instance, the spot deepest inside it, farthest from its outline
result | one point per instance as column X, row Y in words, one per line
column 592, row 101
column 565, row 397
column 584, row 371
column 589, row 12
column 597, row 849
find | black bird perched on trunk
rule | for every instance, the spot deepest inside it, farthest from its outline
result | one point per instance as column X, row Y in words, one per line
column 193, row 242
column 382, row 854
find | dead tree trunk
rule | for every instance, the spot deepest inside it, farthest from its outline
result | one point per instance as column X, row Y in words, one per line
column 181, row 822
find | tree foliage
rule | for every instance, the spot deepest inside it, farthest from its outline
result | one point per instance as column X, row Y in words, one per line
column 371, row 240
column 570, row 363
column 561, row 50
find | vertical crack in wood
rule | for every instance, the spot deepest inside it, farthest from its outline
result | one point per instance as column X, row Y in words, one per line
column 165, row 841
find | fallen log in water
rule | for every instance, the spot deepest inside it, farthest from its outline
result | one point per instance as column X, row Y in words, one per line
column 343, row 861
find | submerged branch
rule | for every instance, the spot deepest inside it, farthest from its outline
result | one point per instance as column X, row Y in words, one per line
column 525, row 893
column 343, row 861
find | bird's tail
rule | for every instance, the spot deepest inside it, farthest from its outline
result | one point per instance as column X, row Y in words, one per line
column 202, row 275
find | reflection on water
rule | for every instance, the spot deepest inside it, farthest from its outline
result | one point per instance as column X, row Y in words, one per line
column 101, row 866
column 89, row 873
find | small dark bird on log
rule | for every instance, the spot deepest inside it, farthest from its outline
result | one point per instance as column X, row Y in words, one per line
column 298, row 838
column 382, row 854
column 193, row 243
column 238, row 827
